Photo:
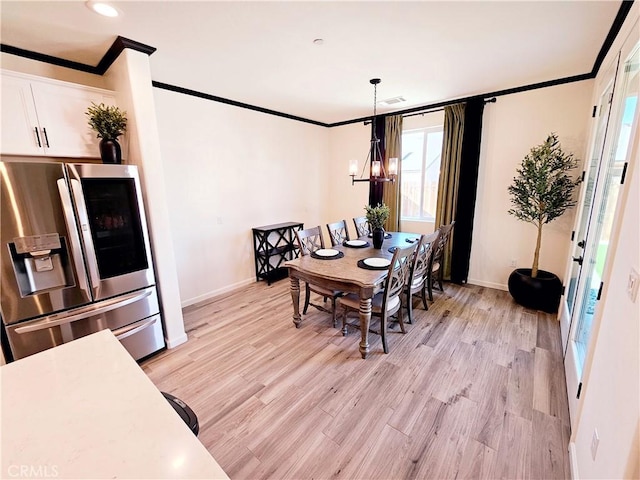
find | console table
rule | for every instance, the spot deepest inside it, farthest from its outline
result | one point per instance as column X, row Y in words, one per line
column 273, row 245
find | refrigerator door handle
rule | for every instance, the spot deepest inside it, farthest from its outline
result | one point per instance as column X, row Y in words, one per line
column 83, row 218
column 74, row 239
column 76, row 314
column 127, row 331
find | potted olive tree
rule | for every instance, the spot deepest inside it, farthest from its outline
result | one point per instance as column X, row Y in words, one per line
column 376, row 216
column 540, row 193
column 109, row 122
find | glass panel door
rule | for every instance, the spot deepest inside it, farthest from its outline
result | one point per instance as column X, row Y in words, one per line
column 587, row 197
column 601, row 222
column 596, row 218
column 114, row 216
column 590, row 179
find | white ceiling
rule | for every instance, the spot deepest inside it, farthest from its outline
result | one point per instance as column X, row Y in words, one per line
column 262, row 53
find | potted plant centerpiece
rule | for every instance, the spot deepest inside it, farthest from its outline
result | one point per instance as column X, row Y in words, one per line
column 109, row 122
column 376, row 216
column 540, row 193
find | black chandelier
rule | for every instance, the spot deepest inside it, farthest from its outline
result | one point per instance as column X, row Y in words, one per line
column 378, row 173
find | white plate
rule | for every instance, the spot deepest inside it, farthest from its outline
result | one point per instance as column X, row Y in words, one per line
column 377, row 262
column 356, row 243
column 326, row 252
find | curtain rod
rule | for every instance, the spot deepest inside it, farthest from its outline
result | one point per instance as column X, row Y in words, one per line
column 423, row 113
column 431, row 110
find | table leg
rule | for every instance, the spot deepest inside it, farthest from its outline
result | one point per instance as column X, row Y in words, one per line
column 295, row 298
column 365, row 320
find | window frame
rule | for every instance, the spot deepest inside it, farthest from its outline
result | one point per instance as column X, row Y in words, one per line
column 423, row 165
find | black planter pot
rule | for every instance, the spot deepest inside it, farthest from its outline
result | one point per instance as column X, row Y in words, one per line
column 378, row 237
column 110, row 151
column 540, row 293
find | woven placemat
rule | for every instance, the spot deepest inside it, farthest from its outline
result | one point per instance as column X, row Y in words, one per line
column 361, row 264
column 365, row 245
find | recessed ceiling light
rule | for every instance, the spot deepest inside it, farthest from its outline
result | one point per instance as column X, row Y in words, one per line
column 102, row 9
column 318, row 41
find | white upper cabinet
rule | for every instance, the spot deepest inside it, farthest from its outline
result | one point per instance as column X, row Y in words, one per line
column 47, row 117
column 20, row 131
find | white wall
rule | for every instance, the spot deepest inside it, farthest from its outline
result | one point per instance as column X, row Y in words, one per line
column 345, row 201
column 229, row 169
column 511, row 127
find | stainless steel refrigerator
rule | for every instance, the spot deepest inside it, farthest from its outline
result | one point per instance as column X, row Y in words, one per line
column 75, row 257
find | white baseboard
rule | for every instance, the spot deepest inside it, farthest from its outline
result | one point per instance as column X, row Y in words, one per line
column 482, row 283
column 573, row 461
column 174, row 342
column 215, row 293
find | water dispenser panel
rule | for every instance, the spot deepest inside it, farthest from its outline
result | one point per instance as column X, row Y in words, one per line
column 40, row 263
column 37, row 243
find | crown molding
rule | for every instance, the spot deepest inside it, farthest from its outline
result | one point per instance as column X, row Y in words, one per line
column 107, row 60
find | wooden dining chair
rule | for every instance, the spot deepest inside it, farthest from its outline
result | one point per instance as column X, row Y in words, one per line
column 338, row 232
column 436, row 271
column 310, row 240
column 419, row 272
column 387, row 302
column 362, row 226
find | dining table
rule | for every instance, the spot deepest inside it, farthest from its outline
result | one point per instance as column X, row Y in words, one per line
column 347, row 272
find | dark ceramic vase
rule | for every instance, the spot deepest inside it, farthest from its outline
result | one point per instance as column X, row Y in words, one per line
column 110, row 151
column 540, row 293
column 378, row 237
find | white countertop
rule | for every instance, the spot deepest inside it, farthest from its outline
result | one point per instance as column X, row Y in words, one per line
column 86, row 410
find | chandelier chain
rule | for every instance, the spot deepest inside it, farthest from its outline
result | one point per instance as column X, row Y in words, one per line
column 375, row 97
column 375, row 154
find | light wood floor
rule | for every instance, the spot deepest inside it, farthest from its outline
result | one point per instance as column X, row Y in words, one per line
column 475, row 389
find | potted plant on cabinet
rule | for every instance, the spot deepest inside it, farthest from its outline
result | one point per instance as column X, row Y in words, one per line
column 376, row 216
column 540, row 193
column 109, row 122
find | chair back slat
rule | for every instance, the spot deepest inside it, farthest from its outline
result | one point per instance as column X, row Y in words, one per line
column 422, row 258
column 398, row 271
column 362, row 226
column 338, row 232
column 444, row 235
column 310, row 240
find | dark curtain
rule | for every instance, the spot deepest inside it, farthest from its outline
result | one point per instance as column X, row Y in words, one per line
column 451, row 158
column 467, row 188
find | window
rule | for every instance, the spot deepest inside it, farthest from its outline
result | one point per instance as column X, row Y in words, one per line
column 421, row 151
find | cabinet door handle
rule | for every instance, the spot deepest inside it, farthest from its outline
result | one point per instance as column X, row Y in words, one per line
column 46, row 138
column 38, row 137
